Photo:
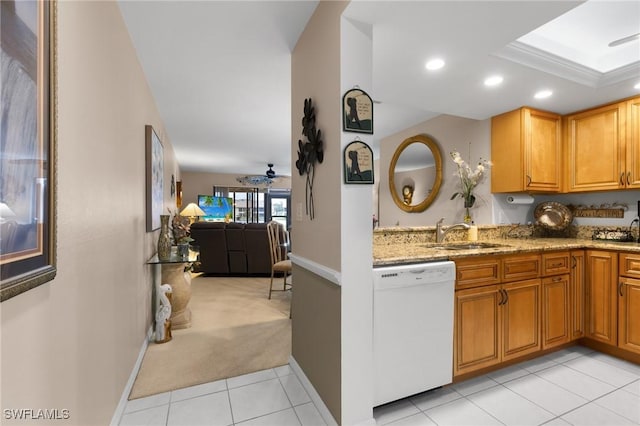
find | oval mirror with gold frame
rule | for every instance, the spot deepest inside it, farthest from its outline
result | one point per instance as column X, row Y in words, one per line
column 415, row 173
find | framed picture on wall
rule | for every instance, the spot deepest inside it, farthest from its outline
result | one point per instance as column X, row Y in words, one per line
column 154, row 178
column 358, row 163
column 28, row 146
column 357, row 112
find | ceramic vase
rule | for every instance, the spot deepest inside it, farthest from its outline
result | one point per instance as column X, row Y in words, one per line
column 164, row 240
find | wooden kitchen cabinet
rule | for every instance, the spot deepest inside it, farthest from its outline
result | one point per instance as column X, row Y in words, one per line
column 555, row 310
column 520, row 318
column 556, row 263
column 629, row 302
column 526, row 151
column 495, row 322
column 603, row 151
column 633, row 144
column 629, row 314
column 477, row 332
column 556, row 299
column 601, row 294
column 477, row 271
column 520, row 267
column 577, row 294
column 630, row 265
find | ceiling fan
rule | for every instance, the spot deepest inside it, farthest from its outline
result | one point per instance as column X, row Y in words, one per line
column 257, row 180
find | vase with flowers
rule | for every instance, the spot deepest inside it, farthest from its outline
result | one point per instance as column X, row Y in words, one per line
column 181, row 227
column 469, row 179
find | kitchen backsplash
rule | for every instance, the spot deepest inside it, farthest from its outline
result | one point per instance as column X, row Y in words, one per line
column 427, row 234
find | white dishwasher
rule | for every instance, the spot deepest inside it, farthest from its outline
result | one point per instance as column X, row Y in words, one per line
column 412, row 329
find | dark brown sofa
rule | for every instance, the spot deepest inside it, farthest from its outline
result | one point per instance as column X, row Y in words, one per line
column 233, row 249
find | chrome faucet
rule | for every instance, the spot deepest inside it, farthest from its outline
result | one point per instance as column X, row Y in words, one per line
column 441, row 234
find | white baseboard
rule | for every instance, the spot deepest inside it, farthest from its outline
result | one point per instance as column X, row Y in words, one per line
column 313, row 394
column 117, row 415
column 315, row 397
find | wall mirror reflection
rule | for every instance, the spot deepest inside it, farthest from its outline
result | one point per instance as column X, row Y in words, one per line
column 415, row 173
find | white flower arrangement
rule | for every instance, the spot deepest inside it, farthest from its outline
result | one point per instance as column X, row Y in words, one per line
column 469, row 178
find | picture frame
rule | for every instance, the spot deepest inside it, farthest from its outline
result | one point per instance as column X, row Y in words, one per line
column 358, row 163
column 28, row 146
column 154, row 178
column 357, row 111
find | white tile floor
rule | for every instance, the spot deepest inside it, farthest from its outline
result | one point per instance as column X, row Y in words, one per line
column 574, row 386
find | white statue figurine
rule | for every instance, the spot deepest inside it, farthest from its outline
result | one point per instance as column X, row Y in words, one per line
column 163, row 315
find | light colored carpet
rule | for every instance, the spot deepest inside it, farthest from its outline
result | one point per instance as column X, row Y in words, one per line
column 235, row 330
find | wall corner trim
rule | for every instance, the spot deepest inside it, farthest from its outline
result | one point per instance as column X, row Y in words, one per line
column 318, row 269
column 313, row 394
column 122, row 404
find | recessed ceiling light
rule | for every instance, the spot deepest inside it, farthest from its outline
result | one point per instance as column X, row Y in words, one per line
column 434, row 64
column 637, row 86
column 543, row 94
column 493, row 80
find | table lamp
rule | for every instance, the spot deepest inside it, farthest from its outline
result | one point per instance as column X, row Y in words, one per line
column 193, row 212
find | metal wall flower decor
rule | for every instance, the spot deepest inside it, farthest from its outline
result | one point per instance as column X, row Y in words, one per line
column 309, row 153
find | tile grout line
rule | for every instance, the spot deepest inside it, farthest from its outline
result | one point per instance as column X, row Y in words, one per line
column 288, row 399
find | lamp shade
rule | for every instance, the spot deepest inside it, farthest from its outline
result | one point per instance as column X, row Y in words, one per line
column 192, row 210
column 6, row 212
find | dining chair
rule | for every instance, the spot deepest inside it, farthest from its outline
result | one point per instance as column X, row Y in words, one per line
column 278, row 244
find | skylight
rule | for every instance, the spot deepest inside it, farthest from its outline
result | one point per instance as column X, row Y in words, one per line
column 583, row 35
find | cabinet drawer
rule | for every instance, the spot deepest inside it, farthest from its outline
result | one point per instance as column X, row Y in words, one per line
column 520, row 267
column 630, row 265
column 555, row 263
column 475, row 272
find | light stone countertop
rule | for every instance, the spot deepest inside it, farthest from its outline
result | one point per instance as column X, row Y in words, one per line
column 417, row 252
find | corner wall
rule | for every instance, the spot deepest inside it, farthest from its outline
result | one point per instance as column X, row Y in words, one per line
column 72, row 343
column 315, row 71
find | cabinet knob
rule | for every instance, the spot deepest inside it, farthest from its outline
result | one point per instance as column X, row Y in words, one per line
column 622, row 179
column 575, row 262
column 620, row 288
column 528, row 180
column 629, row 179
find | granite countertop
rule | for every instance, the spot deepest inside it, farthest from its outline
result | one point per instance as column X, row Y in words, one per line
column 406, row 253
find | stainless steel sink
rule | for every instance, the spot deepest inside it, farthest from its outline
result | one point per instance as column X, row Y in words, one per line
column 464, row 246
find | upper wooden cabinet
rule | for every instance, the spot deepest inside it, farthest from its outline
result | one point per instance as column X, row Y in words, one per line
column 526, row 148
column 603, row 148
column 632, row 150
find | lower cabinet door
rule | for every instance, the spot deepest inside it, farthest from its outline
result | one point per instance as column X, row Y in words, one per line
column 477, row 340
column 555, row 311
column 602, row 300
column 629, row 314
column 576, row 291
column 521, row 318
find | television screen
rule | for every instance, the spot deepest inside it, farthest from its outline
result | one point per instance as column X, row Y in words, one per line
column 219, row 209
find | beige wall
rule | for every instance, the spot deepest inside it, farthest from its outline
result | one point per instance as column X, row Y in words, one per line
column 315, row 65
column 315, row 335
column 449, row 133
column 72, row 343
